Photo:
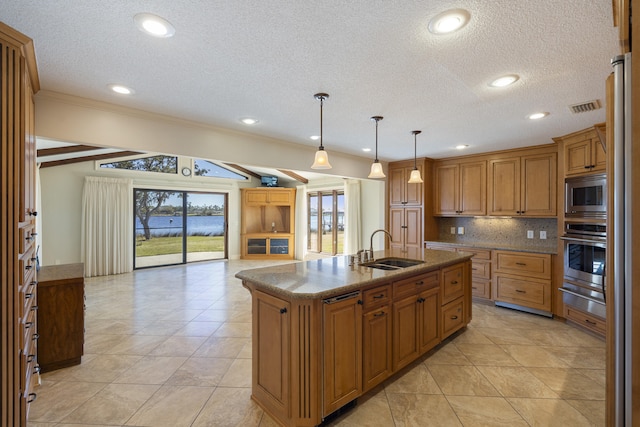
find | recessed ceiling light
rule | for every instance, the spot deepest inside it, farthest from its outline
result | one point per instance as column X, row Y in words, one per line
column 366, row 150
column 449, row 21
column 248, row 121
column 122, row 90
column 461, row 146
column 154, row 25
column 537, row 116
column 315, row 137
column 504, row 80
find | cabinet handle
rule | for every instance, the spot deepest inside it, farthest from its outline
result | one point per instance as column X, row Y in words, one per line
column 31, row 358
column 378, row 296
column 421, row 300
column 34, row 308
column 474, row 269
column 454, row 282
column 283, row 310
column 28, row 295
column 35, row 337
column 404, row 226
column 521, row 291
column 28, row 267
column 420, row 283
column 590, row 322
column 403, row 203
column 379, row 314
column 28, row 325
column 454, row 317
column 521, row 263
column 36, row 369
column 32, row 397
column 473, row 287
column 34, row 213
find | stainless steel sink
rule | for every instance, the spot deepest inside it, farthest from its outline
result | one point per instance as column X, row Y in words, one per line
column 392, row 263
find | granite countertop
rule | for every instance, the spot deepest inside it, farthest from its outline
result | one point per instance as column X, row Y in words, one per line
column 332, row 276
column 553, row 250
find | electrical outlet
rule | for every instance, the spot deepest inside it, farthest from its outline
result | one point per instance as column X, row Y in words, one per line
column 453, row 230
column 529, row 234
column 543, row 234
column 460, row 230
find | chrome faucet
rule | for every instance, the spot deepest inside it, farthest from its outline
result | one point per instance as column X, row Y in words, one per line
column 373, row 234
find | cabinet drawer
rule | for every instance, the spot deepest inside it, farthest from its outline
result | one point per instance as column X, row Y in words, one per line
column 530, row 293
column 480, row 269
column 481, row 288
column 452, row 283
column 527, row 264
column 376, row 296
column 585, row 320
column 417, row 284
column 452, row 317
column 27, row 296
column 483, row 254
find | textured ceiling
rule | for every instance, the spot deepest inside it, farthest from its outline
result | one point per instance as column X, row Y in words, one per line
column 267, row 58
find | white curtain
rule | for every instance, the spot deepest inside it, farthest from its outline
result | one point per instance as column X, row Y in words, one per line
column 353, row 219
column 301, row 222
column 107, row 230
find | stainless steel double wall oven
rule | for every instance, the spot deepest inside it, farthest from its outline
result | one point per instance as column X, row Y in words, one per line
column 585, row 244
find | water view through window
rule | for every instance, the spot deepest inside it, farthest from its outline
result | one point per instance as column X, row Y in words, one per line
column 174, row 227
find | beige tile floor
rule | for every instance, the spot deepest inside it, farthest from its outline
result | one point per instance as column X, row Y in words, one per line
column 171, row 347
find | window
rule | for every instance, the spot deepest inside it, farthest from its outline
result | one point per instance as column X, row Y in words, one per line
column 160, row 164
column 207, row 168
column 174, row 227
column 325, row 222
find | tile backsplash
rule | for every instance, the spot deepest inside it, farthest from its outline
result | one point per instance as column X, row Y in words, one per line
column 499, row 231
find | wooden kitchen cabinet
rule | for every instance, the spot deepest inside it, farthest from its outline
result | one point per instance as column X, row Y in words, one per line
column 400, row 191
column 523, row 280
column 342, row 337
column 405, row 226
column 584, row 151
column 523, row 185
column 377, row 346
column 60, row 316
column 268, row 223
column 271, row 330
column 416, row 311
column 460, row 188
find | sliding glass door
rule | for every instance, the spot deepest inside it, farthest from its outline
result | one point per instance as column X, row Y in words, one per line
column 176, row 227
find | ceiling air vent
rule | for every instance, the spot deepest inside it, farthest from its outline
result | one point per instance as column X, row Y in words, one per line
column 584, row 107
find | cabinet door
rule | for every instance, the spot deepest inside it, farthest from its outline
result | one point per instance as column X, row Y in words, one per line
column 396, row 223
column 577, row 156
column 599, row 156
column 271, row 329
column 377, row 347
column 405, row 331
column 452, row 282
column 429, row 312
column 446, row 190
column 342, row 323
column 504, row 186
column 473, row 188
column 539, row 184
column 413, row 237
column 396, row 186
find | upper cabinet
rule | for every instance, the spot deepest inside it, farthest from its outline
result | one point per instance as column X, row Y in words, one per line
column 523, row 185
column 584, row 151
column 460, row 188
column 400, row 191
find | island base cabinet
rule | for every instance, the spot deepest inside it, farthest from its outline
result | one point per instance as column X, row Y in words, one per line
column 271, row 327
column 453, row 317
column 377, row 344
column 429, row 333
column 342, row 320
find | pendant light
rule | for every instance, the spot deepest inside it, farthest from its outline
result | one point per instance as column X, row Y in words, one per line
column 415, row 178
column 376, row 166
column 321, row 160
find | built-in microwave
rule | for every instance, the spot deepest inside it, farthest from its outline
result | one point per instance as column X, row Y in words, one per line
column 586, row 196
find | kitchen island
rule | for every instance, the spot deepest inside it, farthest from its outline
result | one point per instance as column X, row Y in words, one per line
column 324, row 332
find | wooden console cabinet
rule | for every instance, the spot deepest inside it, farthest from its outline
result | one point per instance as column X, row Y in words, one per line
column 60, row 316
column 268, row 223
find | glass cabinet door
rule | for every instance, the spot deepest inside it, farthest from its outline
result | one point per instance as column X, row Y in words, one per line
column 257, row 246
column 279, row 246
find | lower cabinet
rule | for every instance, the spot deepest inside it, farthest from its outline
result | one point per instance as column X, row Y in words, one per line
column 453, row 317
column 376, row 336
column 523, row 280
column 271, row 333
column 272, row 246
column 342, row 348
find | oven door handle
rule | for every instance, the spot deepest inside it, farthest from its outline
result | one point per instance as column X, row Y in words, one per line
column 569, row 291
column 598, row 243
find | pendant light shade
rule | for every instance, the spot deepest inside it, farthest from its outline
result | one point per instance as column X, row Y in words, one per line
column 415, row 177
column 376, row 166
column 321, row 160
